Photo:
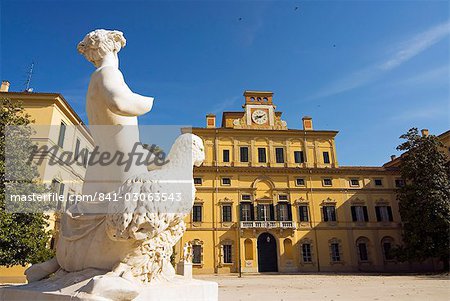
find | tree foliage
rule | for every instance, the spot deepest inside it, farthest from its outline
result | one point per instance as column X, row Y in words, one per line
column 424, row 201
column 23, row 236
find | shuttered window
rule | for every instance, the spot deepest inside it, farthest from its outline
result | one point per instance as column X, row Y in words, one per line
column 359, row 214
column 197, row 213
column 226, row 213
column 299, row 157
column 329, row 213
column 62, row 134
column 384, row 213
column 303, row 212
column 246, row 212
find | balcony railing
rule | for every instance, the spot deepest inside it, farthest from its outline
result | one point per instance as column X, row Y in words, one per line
column 268, row 224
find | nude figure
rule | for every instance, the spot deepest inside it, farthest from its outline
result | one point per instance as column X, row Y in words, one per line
column 112, row 110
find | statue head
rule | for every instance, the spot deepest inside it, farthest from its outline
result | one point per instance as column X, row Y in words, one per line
column 198, row 150
column 189, row 143
column 100, row 42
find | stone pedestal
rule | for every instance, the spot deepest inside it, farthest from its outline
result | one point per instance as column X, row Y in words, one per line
column 67, row 288
column 184, row 269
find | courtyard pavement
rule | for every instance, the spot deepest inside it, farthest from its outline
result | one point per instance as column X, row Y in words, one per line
column 329, row 287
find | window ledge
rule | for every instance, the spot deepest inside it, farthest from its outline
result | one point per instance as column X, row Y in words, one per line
column 360, row 224
column 365, row 262
column 341, row 262
column 304, row 225
column 386, row 224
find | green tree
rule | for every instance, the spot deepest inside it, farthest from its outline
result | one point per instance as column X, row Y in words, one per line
column 23, row 236
column 424, row 200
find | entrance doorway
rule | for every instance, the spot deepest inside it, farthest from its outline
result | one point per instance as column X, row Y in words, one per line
column 267, row 253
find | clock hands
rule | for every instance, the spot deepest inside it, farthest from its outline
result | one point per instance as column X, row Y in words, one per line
column 259, row 117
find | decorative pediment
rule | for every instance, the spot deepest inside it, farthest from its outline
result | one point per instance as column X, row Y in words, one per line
column 198, row 200
column 196, row 242
column 301, row 200
column 225, row 200
column 227, row 242
column 306, row 240
column 329, row 201
column 357, row 201
column 381, row 201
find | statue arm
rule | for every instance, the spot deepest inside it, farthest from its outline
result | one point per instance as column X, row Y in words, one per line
column 120, row 99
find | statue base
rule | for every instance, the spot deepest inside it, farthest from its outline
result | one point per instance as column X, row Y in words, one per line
column 71, row 287
column 184, row 269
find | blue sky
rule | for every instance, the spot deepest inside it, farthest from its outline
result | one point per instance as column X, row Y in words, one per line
column 371, row 70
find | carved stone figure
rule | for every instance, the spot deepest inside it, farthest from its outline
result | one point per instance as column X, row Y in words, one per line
column 119, row 246
column 187, row 252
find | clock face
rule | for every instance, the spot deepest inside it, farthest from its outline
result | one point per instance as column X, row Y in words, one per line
column 259, row 116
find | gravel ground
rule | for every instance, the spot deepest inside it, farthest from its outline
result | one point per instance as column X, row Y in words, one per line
column 331, row 287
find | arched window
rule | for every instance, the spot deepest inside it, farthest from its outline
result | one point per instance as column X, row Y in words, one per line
column 362, row 248
column 248, row 246
column 287, row 243
column 386, row 247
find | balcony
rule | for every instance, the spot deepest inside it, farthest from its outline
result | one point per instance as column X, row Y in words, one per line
column 268, row 224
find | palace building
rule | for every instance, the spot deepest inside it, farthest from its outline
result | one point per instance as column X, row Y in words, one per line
column 275, row 199
column 269, row 198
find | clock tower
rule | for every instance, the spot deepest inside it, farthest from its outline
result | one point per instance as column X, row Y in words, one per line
column 259, row 109
column 259, row 113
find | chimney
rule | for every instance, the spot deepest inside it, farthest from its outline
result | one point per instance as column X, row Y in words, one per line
column 393, row 157
column 5, row 86
column 307, row 123
column 210, row 121
column 424, row 132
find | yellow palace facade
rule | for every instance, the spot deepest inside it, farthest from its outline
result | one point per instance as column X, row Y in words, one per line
column 274, row 199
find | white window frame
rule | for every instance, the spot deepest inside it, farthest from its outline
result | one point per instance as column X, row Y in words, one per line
column 300, row 185
column 326, row 185
column 222, row 183
column 351, row 182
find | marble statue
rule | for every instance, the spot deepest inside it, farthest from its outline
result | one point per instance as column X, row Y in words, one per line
column 120, row 249
column 187, row 252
